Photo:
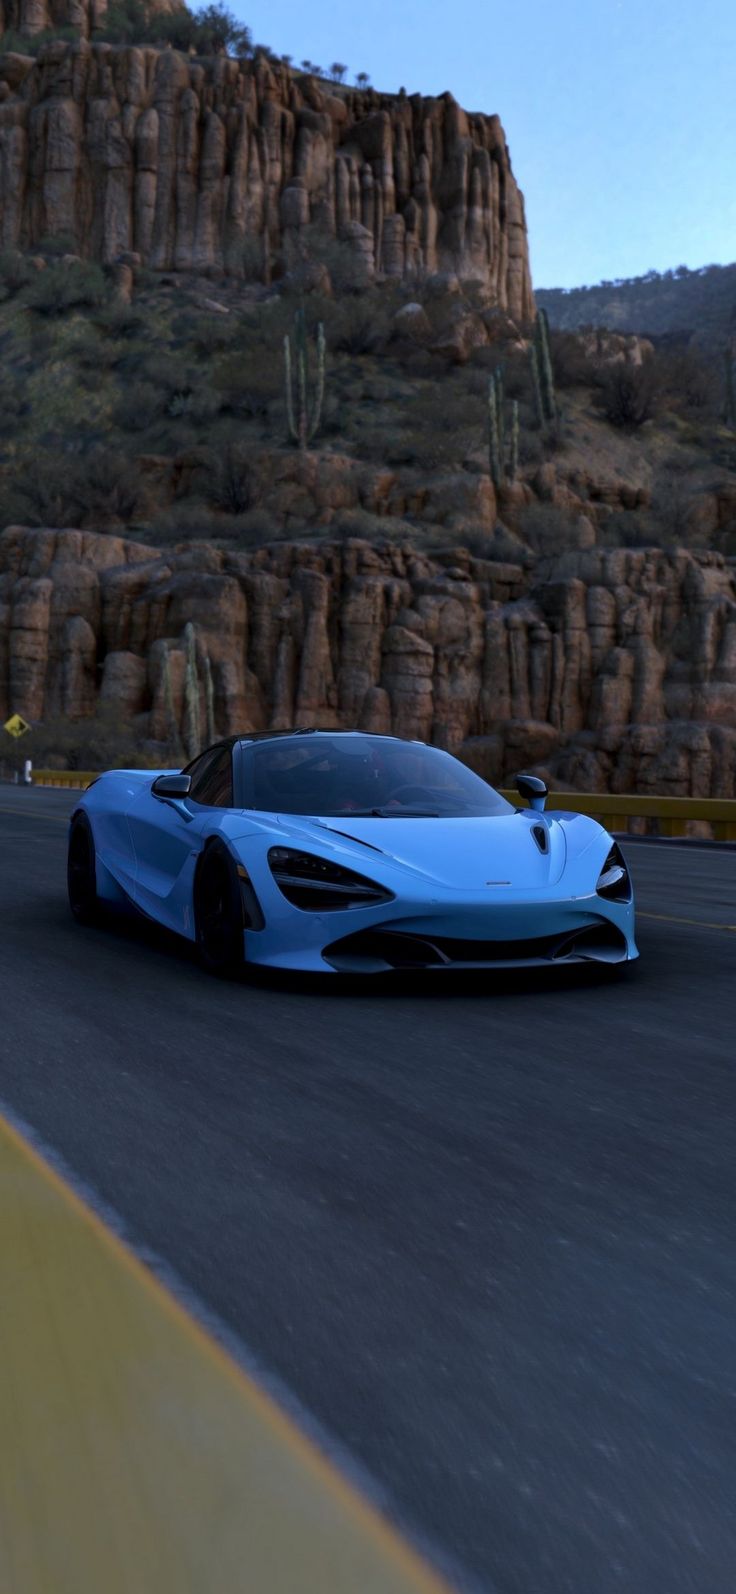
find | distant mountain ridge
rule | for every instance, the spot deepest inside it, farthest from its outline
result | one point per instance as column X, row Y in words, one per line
column 701, row 303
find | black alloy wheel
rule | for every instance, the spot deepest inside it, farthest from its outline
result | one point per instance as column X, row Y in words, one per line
column 218, row 913
column 80, row 872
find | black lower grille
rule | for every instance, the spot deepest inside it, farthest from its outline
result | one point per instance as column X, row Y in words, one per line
column 397, row 949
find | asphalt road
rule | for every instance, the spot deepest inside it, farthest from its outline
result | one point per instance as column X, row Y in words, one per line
column 484, row 1230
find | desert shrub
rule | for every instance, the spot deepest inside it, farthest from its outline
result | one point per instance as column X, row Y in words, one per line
column 571, row 363
column 55, row 244
column 629, row 394
column 16, row 272
column 121, row 322
column 547, row 528
column 139, row 407
column 195, row 402
column 61, row 288
column 225, row 478
column 195, row 521
column 104, row 741
column 440, row 427
column 531, row 445
column 210, row 30
column 96, row 491
column 34, row 43
column 92, row 356
column 250, row 380
column 359, row 324
column 13, row 404
column 632, row 528
column 211, row 334
column 692, row 379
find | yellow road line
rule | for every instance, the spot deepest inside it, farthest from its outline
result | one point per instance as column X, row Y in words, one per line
column 135, row 1454
column 700, row 924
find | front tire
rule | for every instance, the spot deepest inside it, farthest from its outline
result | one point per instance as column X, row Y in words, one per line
column 218, row 914
column 81, row 874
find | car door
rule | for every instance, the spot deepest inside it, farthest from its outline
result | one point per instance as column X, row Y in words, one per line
column 168, row 834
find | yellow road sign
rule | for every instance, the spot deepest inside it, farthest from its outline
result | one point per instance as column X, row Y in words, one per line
column 16, row 725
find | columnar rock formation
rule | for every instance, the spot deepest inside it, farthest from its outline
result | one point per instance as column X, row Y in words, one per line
column 230, row 165
column 41, row 16
column 609, row 669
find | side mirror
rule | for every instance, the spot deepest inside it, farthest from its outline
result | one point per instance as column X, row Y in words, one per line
column 172, row 786
column 534, row 789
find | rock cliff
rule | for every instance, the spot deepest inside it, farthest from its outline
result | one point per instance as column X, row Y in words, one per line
column 227, row 165
column 41, row 16
column 606, row 669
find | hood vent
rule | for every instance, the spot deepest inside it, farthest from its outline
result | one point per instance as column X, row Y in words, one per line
column 541, row 836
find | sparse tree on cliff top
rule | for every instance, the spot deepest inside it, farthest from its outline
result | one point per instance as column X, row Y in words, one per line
column 362, row 79
column 338, row 71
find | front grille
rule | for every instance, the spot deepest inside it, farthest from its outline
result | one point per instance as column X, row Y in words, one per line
column 396, row 949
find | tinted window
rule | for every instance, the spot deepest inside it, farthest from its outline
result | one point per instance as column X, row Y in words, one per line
column 199, row 766
column 212, row 779
column 332, row 775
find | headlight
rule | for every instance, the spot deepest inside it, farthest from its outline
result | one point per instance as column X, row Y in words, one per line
column 614, row 882
column 318, row 884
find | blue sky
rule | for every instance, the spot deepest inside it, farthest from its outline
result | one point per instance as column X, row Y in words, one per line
column 620, row 114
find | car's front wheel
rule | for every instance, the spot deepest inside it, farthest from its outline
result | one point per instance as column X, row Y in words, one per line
column 81, row 874
column 218, row 913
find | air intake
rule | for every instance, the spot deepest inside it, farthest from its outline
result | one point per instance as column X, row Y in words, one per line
column 541, row 836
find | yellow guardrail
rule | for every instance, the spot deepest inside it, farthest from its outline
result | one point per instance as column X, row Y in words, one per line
column 668, row 816
column 74, row 779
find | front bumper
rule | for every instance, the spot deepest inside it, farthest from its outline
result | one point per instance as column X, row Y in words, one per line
column 450, row 930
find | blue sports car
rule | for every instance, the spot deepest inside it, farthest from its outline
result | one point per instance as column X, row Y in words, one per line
column 339, row 851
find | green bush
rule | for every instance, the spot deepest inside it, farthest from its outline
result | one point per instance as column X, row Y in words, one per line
column 251, row 380
column 104, row 741
column 55, row 244
column 210, row 30
column 139, row 407
column 33, row 43
column 16, row 272
column 98, row 491
column 61, row 288
column 629, row 394
column 121, row 322
column 13, row 404
column 226, row 478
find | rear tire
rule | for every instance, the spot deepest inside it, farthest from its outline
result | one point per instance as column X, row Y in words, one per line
column 81, row 874
column 218, row 914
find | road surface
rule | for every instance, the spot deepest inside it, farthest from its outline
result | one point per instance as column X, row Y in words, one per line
column 481, row 1230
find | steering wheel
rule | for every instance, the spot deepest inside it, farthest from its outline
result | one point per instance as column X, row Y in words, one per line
column 414, row 794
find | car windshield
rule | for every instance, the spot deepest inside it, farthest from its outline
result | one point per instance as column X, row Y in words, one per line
column 374, row 776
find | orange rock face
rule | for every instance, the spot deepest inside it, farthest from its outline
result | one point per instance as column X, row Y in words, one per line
column 606, row 669
column 217, row 165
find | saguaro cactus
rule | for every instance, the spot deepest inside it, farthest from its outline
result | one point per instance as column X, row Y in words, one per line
column 514, row 450
column 172, row 729
column 542, row 373
column 497, row 433
column 192, row 728
column 209, row 699
column 303, row 418
column 494, row 437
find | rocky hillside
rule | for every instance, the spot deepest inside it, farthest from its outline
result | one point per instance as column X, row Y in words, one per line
column 683, row 304
column 233, row 165
column 602, row 669
column 452, row 527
